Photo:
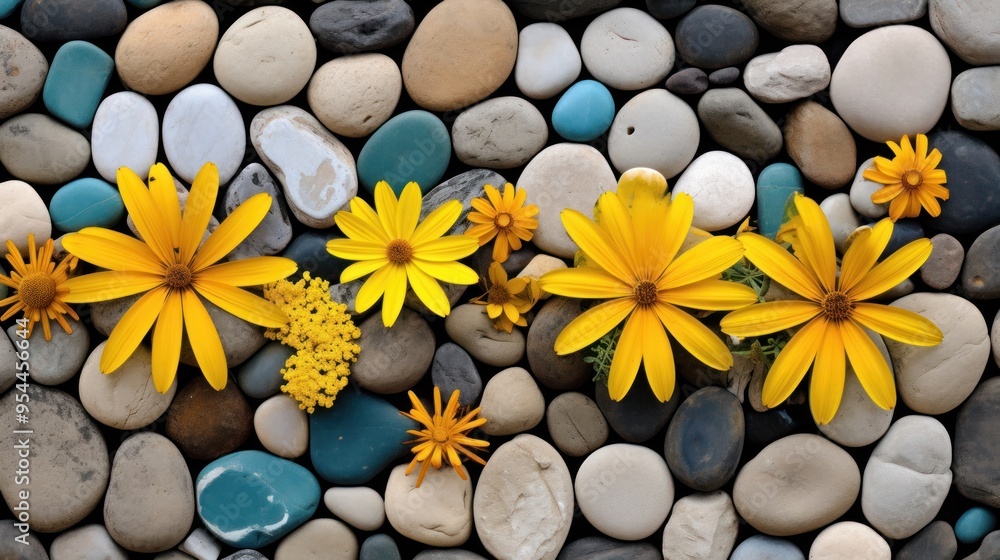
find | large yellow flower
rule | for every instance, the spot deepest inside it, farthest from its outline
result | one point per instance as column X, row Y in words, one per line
column 631, row 262
column 834, row 310
column 911, row 180
column 394, row 249
column 504, row 217
column 174, row 268
column 40, row 287
column 443, row 436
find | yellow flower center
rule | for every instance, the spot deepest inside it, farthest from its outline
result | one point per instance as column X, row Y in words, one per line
column 399, row 251
column 837, row 306
column 912, row 179
column 503, row 220
column 498, row 294
column 37, row 290
column 644, row 293
column 178, row 276
column 440, row 435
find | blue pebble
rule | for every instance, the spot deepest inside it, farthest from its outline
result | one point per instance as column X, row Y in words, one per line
column 775, row 184
column 250, row 499
column 353, row 441
column 975, row 524
column 7, row 7
column 412, row 146
column 84, row 203
column 763, row 547
column 584, row 112
column 77, row 77
column 903, row 232
column 260, row 376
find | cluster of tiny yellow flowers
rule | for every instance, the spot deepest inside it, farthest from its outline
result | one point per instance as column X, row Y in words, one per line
column 323, row 335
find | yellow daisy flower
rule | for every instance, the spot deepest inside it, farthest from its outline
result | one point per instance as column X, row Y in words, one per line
column 504, row 217
column 834, row 311
column 632, row 261
column 911, row 179
column 391, row 246
column 40, row 287
column 506, row 300
column 444, row 435
column 172, row 268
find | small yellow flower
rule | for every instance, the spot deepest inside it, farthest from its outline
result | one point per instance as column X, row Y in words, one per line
column 395, row 249
column 40, row 287
column 911, row 179
column 323, row 335
column 444, row 436
column 504, row 217
column 834, row 310
column 506, row 300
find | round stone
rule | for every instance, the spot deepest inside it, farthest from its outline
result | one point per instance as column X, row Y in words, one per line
column 576, row 424
column 23, row 213
column 861, row 193
column 793, row 73
column 469, row 327
column 640, row 415
column 126, row 398
column 499, row 133
column 737, row 123
column 360, row 506
column 722, row 188
column 763, row 547
column 859, row 421
column 568, row 371
column 206, row 423
column 702, row 524
column 712, row 37
column 934, row 542
column 654, row 129
column 66, row 20
column 92, row 538
column 441, row 72
column 354, row 95
column 547, row 60
column 453, row 370
column 86, row 202
column 512, row 403
column 869, row 13
column 974, row 524
column 55, row 361
column 627, row 49
column 849, row 540
column 975, row 95
column 584, row 112
column 126, row 133
column 981, row 266
column 969, row 28
column 438, row 513
column 821, row 145
column 203, row 124
column 705, row 439
column 260, row 376
column 797, row 21
column 408, row 346
column 689, row 81
column 25, row 70
column 890, row 82
column 42, row 151
column 274, row 232
column 976, row 458
column 266, row 56
column 412, row 146
column 18, row 541
column 282, row 427
column 319, row 539
column 355, row 26
column 973, row 176
column 167, row 47
column 625, row 491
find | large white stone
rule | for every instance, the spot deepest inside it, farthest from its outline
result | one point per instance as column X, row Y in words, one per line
column 794, row 73
column 22, row 213
column 627, row 49
column 125, row 399
column 654, row 129
column 282, row 427
column 547, row 60
column 438, row 513
column 203, row 124
column 125, row 133
column 354, row 95
column 360, row 506
column 722, row 188
column 849, row 540
column 499, row 133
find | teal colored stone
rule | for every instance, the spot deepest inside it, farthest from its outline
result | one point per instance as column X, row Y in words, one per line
column 84, row 203
column 354, row 440
column 584, row 112
column 249, row 499
column 775, row 184
column 145, row 4
column 379, row 547
column 7, row 7
column 77, row 77
column 308, row 250
column 260, row 376
column 974, row 524
column 413, row 146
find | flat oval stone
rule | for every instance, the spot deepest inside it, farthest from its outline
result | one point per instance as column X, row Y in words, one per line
column 75, row 83
column 737, row 123
column 393, row 360
column 354, row 440
column 874, row 85
column 453, row 370
column 705, row 439
column 813, row 21
column 25, row 68
column 412, row 146
column 441, row 72
column 524, row 500
column 360, row 506
column 775, row 184
column 689, row 81
column 448, row 554
column 640, row 415
column 149, row 506
column 315, row 169
column 974, row 524
column 167, row 47
column 354, row 95
column 576, row 424
column 319, row 539
column 603, row 548
column 627, row 49
column 252, row 498
column 722, row 188
column 712, row 37
column 849, row 539
column 500, row 133
column 869, row 13
column 945, row 263
column 353, row 26
column 84, row 203
column 274, row 232
column 976, row 458
column 979, row 275
column 796, row 72
column 69, row 460
column 974, row 97
column 934, row 542
column 584, row 112
column 973, row 169
column 126, row 133
column 702, row 524
column 28, row 547
column 763, row 547
column 859, row 421
column 23, row 212
column 968, row 28
column 512, row 403
column 438, row 513
column 65, row 20
column 821, row 145
column 206, row 423
column 568, row 371
column 93, row 538
column 124, row 399
column 56, row 361
column 282, row 427
column 469, row 327
column 795, row 485
column 203, row 124
column 260, row 376
column 40, row 150
column 724, row 76
column 265, row 57
column 631, row 503
column 379, row 547
column 547, row 60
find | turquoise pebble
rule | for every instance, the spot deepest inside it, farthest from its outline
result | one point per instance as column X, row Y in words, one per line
column 144, row 4
column 250, row 499
column 309, row 251
column 412, row 146
column 775, row 184
column 84, row 203
column 77, row 77
column 351, row 442
column 974, row 524
column 7, row 7
column 260, row 376
column 584, row 112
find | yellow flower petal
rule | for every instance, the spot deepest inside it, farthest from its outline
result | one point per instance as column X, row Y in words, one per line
column 361, row 268
column 232, row 231
column 889, row 273
column 395, row 294
column 712, row 295
column 198, row 212
column 898, row 324
column 591, row 239
column 102, row 286
column 781, row 266
column 254, row 271
column 628, row 355
column 826, row 387
column 695, row 337
column 768, row 317
column 356, row 249
column 877, row 176
column 592, row 324
column 131, row 329
column 408, row 210
column 112, row 250
column 863, row 253
column 617, row 224
column 241, row 303
column 385, row 207
column 792, row 362
column 428, row 290
column 450, row 272
column 147, row 217
column 887, row 193
column 816, row 241
column 869, row 365
column 705, row 260
column 167, row 337
column 928, row 201
column 665, row 234
column 450, row 248
column 658, row 359
column 588, row 283
column 362, row 210
column 204, row 339
column 372, row 289
column 357, row 227
column 437, row 223
column 164, row 194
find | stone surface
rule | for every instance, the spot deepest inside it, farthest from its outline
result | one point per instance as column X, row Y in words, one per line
column 315, row 169
column 56, row 361
column 69, row 460
column 960, row 358
column 92, row 538
column 666, row 9
column 654, row 129
column 934, row 542
column 976, row 460
column 150, row 501
column 705, row 439
column 126, row 133
column 352, row 26
column 265, row 57
column 354, row 95
column 945, row 263
column 738, row 124
column 512, row 403
column 795, row 485
column 379, row 547
column 66, row 20
column 701, row 526
column 454, row 370
column 624, row 491
column 27, row 548
column 86, row 202
column 722, row 188
column 689, row 81
column 412, row 146
column 873, row 83
column 974, row 95
column 724, row 76
column 847, row 540
column 843, row 221
column 861, row 193
column 799, row 21
column 75, row 83
column 24, row 71
column 974, row 166
column 438, row 513
column 974, row 524
column 8, row 367
column 713, row 37
column 203, row 124
column 126, row 398
column 441, row 72
column 523, row 505
column 393, row 360
column 603, row 548
column 282, row 427
column 553, row 10
column 821, row 145
column 584, row 111
column 207, row 424
column 308, row 249
column 547, row 60
column 469, row 327
column 869, row 13
column 552, row 370
column 793, row 73
column 859, row 421
column 979, row 275
column 499, row 133
column 319, row 539
column 201, row 545
column 38, row 149
column 274, row 232
column 260, row 376
column 360, row 506
column 576, row 424
column 968, row 28
column 640, row 415
column 627, row 49
column 763, row 547
column 989, row 549
column 775, row 184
